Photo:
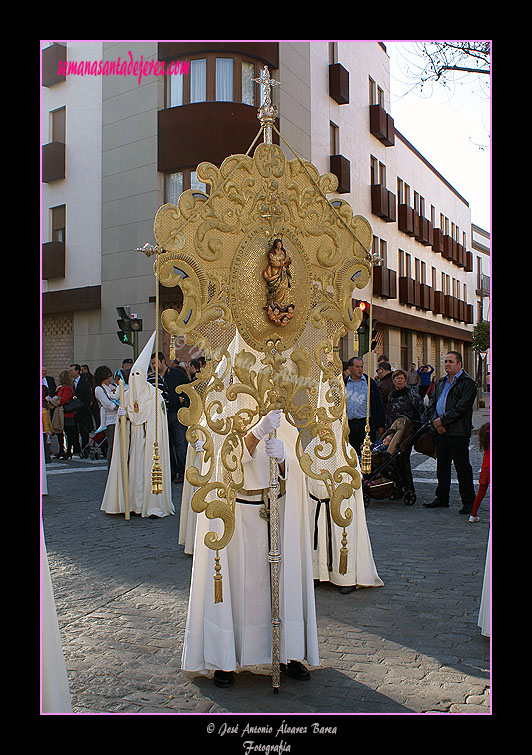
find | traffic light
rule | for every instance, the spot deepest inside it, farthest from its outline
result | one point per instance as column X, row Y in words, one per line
column 374, row 329
column 363, row 328
column 130, row 326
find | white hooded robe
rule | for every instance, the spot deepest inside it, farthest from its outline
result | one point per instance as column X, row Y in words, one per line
column 140, row 407
column 238, row 631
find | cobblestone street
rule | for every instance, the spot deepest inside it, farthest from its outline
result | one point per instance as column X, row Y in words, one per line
column 412, row 646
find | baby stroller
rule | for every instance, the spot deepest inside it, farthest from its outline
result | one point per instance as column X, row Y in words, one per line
column 391, row 474
column 96, row 448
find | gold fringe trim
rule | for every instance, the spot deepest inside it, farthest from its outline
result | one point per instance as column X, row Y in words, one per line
column 172, row 347
column 343, row 554
column 365, row 460
column 156, row 472
column 218, row 594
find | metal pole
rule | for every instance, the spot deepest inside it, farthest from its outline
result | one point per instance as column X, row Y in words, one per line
column 274, row 558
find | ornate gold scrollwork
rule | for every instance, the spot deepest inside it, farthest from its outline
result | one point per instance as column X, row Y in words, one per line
column 215, row 249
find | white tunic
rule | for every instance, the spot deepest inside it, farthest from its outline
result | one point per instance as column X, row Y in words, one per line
column 361, row 569
column 188, row 517
column 238, row 632
column 484, row 611
column 55, row 689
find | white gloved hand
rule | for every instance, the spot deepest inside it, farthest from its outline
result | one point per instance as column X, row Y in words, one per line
column 198, row 446
column 275, row 449
column 121, row 412
column 268, row 423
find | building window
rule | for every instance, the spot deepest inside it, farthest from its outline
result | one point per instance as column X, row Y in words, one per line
column 177, row 183
column 400, row 191
column 248, row 85
column 383, row 253
column 372, row 92
column 434, row 279
column 215, row 79
column 59, row 223
column 59, row 125
column 198, row 80
column 224, row 80
column 335, row 138
column 175, row 90
column 374, row 170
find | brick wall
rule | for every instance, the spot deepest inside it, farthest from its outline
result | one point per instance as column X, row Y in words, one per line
column 58, row 342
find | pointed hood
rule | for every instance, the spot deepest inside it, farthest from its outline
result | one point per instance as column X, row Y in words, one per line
column 143, row 359
column 140, row 391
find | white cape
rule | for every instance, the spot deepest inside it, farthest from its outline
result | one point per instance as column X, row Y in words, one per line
column 361, row 569
column 238, row 632
column 188, row 517
column 484, row 611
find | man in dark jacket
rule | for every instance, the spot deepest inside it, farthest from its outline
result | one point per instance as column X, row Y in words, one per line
column 386, row 386
column 169, row 379
column 451, row 412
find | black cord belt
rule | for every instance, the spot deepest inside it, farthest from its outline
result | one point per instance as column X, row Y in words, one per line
column 326, row 501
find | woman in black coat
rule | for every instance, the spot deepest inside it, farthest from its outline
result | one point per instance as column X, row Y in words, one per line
column 404, row 402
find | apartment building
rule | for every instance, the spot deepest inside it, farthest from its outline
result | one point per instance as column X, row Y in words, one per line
column 125, row 144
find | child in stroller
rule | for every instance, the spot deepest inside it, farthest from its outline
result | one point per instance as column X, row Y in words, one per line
column 391, row 473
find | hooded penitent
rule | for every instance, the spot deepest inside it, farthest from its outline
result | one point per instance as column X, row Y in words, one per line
column 141, row 406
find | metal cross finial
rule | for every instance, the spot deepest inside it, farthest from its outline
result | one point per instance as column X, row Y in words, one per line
column 267, row 112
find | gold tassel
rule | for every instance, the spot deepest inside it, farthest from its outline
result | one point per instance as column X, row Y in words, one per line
column 365, row 460
column 342, row 569
column 172, row 347
column 156, row 472
column 218, row 595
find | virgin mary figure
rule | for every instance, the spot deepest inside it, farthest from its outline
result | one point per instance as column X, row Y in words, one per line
column 278, row 279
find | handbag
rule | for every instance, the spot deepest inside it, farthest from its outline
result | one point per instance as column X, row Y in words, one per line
column 72, row 405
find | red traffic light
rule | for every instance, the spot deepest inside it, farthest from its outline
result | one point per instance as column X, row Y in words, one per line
column 362, row 305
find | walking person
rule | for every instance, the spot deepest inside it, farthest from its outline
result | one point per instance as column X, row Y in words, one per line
column 425, row 373
column 83, row 415
column 108, row 399
column 413, row 378
column 451, row 412
column 65, row 392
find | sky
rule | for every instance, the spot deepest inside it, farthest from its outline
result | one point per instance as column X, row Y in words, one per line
column 446, row 125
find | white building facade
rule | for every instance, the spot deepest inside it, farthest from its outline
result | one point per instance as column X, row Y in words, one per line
column 132, row 143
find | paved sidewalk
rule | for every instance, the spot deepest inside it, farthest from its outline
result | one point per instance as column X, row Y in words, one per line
column 412, row 646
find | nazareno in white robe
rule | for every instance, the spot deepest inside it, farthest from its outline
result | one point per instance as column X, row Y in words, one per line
column 55, row 689
column 140, row 407
column 238, row 632
column 361, row 569
column 188, row 517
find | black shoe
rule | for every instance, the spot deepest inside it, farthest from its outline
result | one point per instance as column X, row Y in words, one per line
column 347, row 589
column 465, row 511
column 223, row 679
column 436, row 505
column 296, row 670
